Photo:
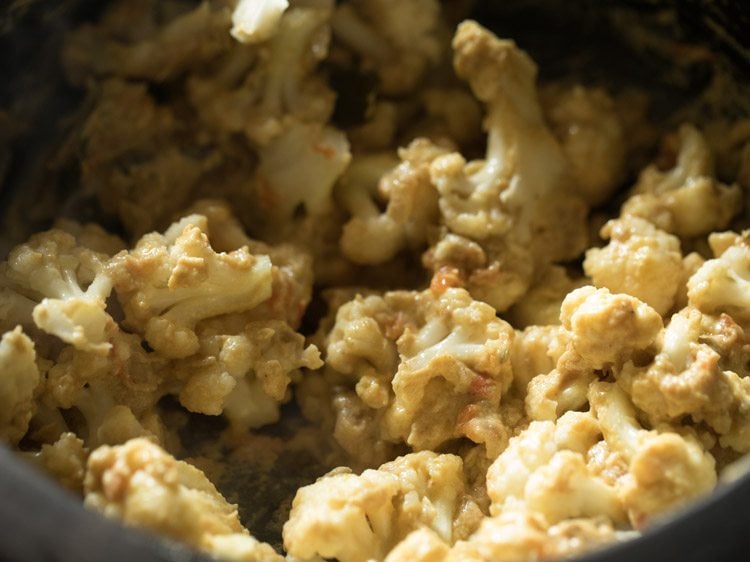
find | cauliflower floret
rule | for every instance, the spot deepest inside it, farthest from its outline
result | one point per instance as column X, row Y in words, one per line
column 137, row 158
column 503, row 203
column 296, row 175
column 721, row 284
column 433, row 365
column 19, row 378
column 422, row 545
column 523, row 535
column 492, row 273
column 292, row 271
column 684, row 200
column 607, row 329
column 603, row 331
column 169, row 282
column 116, row 394
column 700, row 371
column 539, row 472
column 639, row 260
column 64, row 460
column 358, row 518
column 70, row 284
column 394, row 38
column 536, row 351
column 253, row 21
column 261, row 90
column 130, row 41
column 412, row 209
column 142, row 485
column 665, row 469
column 586, row 123
column 245, row 376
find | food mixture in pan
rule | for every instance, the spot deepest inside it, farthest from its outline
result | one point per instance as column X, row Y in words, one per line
column 511, row 317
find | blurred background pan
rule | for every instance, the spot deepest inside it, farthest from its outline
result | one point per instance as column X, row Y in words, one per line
column 672, row 48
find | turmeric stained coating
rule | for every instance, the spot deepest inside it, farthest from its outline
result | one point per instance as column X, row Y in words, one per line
column 475, row 394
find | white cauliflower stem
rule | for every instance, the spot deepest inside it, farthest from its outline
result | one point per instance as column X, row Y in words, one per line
column 665, row 469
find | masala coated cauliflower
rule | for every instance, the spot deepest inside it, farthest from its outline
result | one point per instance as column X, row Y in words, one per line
column 664, row 469
column 720, row 284
column 169, row 282
column 639, row 260
column 404, row 353
column 244, row 375
column 411, row 214
column 19, row 378
column 142, row 485
column 61, row 287
column 355, row 518
column 601, row 332
column 319, row 279
column 686, row 199
column 498, row 212
column 700, row 371
column 172, row 288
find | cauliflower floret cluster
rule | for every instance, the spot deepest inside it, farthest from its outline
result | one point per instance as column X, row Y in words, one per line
column 63, row 285
column 309, row 238
column 586, row 123
column 142, row 485
column 424, row 367
column 355, row 518
column 685, row 199
column 664, row 469
column 601, row 332
column 700, row 371
column 516, row 210
column 217, row 330
column 19, row 378
column 169, row 282
column 639, row 260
